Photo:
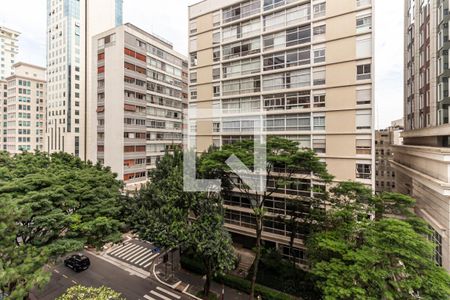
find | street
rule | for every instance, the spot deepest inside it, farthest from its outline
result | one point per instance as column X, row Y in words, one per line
column 102, row 272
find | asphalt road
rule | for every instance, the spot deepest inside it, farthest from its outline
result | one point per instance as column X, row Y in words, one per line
column 102, row 273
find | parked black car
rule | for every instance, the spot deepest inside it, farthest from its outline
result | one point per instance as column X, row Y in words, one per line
column 77, row 262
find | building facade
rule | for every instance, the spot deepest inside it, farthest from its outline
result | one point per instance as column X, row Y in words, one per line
column 71, row 24
column 306, row 67
column 23, row 109
column 9, row 48
column 3, row 113
column 140, row 90
column 385, row 139
column 423, row 163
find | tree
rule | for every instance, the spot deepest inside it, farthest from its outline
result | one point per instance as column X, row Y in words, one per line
column 363, row 253
column 286, row 165
column 170, row 218
column 60, row 205
column 79, row 292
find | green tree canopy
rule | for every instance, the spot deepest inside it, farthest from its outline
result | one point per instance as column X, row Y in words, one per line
column 59, row 204
column 372, row 247
column 79, row 292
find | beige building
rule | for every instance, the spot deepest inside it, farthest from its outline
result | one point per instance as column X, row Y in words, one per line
column 9, row 48
column 306, row 67
column 138, row 98
column 3, row 115
column 423, row 163
column 384, row 140
column 23, row 110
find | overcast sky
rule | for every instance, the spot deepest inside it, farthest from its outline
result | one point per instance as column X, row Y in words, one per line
column 169, row 19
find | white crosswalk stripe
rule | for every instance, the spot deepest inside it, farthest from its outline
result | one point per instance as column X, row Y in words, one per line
column 168, row 292
column 159, row 295
column 143, row 255
column 123, row 253
column 145, row 262
column 139, row 253
column 132, row 253
column 148, row 297
column 119, row 249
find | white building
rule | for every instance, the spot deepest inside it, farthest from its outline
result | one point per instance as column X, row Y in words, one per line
column 71, row 26
column 9, row 48
column 23, row 112
column 138, row 92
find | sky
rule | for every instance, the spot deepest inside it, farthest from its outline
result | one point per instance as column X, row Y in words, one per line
column 169, row 19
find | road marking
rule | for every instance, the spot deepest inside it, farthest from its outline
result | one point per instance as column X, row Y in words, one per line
column 147, row 260
column 148, row 264
column 168, row 292
column 143, row 251
column 125, row 251
column 159, row 295
column 142, row 256
column 73, row 281
column 65, row 276
column 148, row 297
column 120, row 248
column 132, row 253
column 56, row 271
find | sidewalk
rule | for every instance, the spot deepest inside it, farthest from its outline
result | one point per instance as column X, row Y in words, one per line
column 196, row 283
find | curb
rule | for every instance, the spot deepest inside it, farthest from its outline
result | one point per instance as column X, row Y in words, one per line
column 173, row 286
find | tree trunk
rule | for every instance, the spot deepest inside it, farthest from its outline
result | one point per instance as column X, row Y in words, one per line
column 258, row 255
column 207, row 286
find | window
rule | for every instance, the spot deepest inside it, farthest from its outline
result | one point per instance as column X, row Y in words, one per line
column 193, row 77
column 193, row 26
column 193, row 93
column 194, row 59
column 319, row 100
column 193, row 44
column 287, row 17
column 319, row 77
column 241, row 86
column 364, row 97
column 319, row 122
column 241, row 67
column 319, row 55
column 363, row 146
column 287, row 59
column 241, row 10
column 216, row 54
column 319, row 31
column 216, row 91
column 298, row 35
column 363, row 2
column 363, row 23
column 363, row 119
column 363, row 72
column 216, row 73
column 319, row 144
column 216, row 38
column 216, row 18
column 288, row 80
column 241, row 105
column 319, row 10
column 242, row 30
column 363, row 171
column 242, row 48
column 364, row 47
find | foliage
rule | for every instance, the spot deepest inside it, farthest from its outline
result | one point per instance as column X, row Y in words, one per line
column 79, row 292
column 359, row 257
column 171, row 218
column 286, row 165
column 60, row 204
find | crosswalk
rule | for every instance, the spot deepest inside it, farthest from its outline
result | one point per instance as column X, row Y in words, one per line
column 137, row 253
column 161, row 293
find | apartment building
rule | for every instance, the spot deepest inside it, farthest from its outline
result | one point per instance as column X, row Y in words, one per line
column 423, row 163
column 140, row 91
column 71, row 24
column 384, row 140
column 23, row 109
column 305, row 68
column 9, row 48
column 3, row 113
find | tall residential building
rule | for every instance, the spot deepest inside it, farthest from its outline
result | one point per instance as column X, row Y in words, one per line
column 423, row 162
column 385, row 139
column 9, row 48
column 71, row 24
column 306, row 67
column 139, row 91
column 23, row 115
column 3, row 113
